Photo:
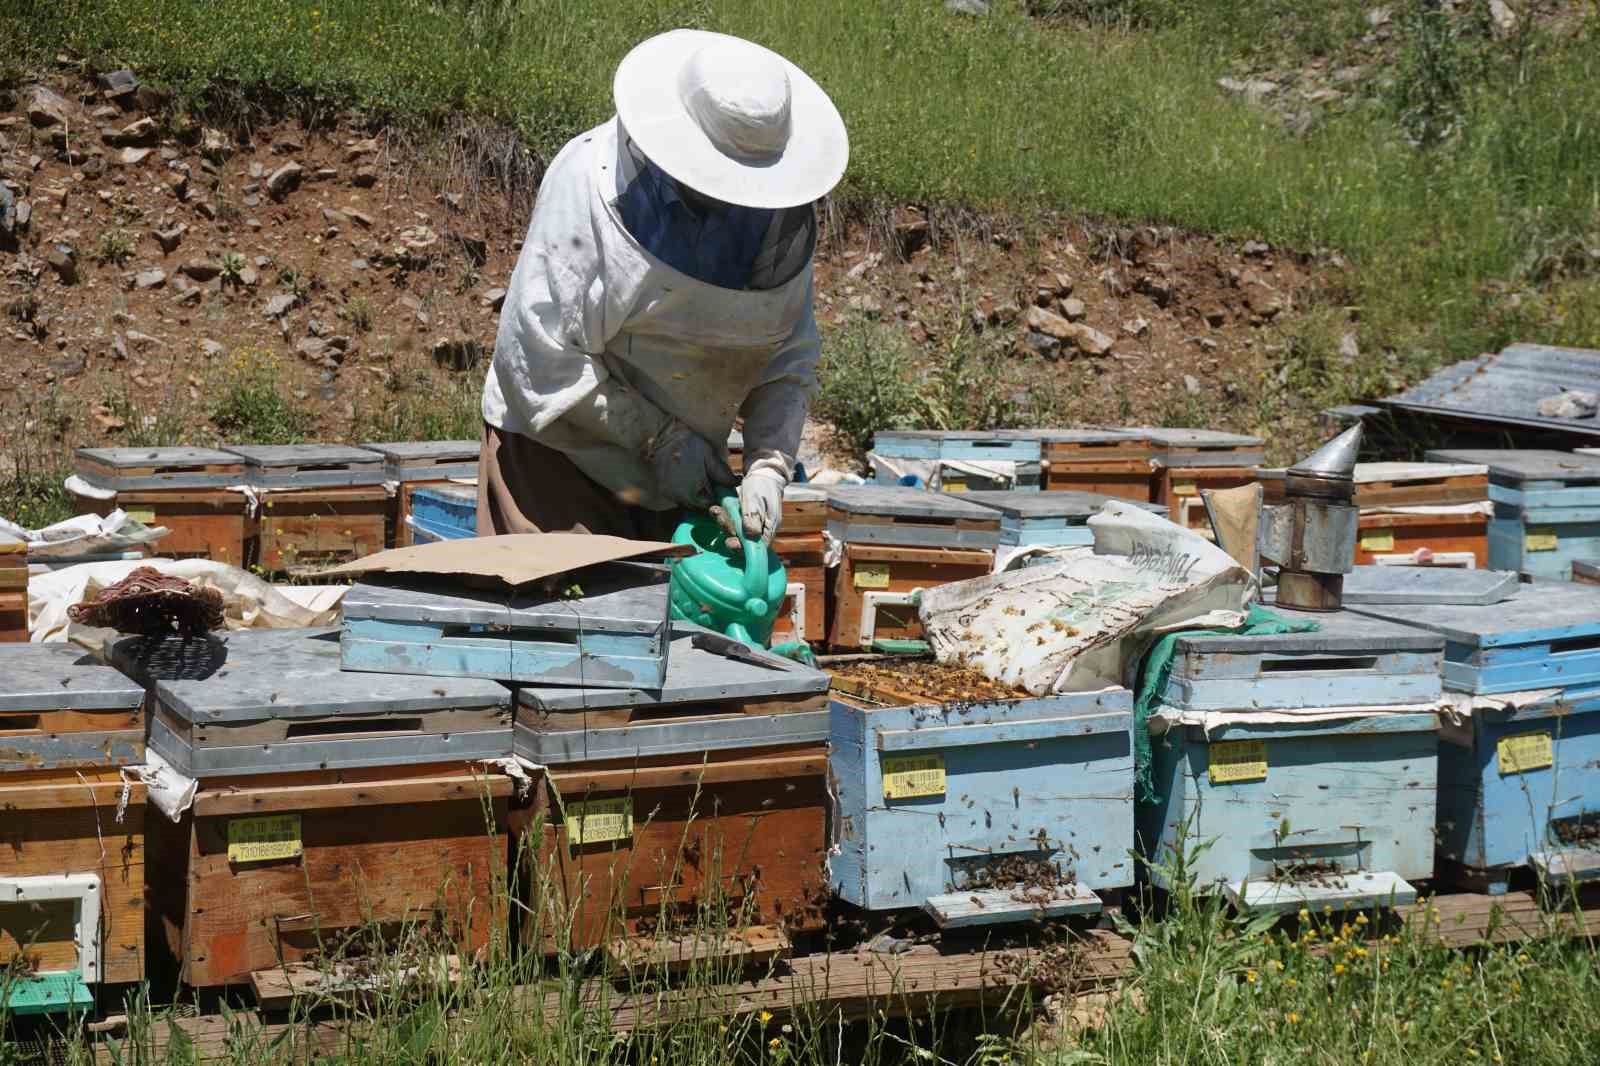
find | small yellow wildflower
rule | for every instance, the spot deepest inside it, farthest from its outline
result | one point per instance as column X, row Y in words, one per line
column 1361, row 919
column 774, row 1042
column 1339, row 968
column 1276, row 965
column 1291, row 982
column 1472, row 1052
column 1250, row 975
column 764, row 1017
column 1293, row 1018
column 1360, row 953
column 1522, row 957
column 1305, row 915
column 1444, row 982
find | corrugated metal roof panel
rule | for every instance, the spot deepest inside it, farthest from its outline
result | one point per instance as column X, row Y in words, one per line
column 1507, row 387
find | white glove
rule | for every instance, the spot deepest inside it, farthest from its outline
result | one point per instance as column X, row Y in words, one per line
column 761, row 503
column 688, row 468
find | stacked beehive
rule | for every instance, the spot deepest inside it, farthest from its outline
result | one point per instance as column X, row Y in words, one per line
column 801, row 546
column 193, row 492
column 1546, row 508
column 1113, row 462
column 1188, row 460
column 896, row 541
column 411, row 465
column 1307, row 760
column 958, row 460
column 13, row 592
column 72, row 884
column 318, row 504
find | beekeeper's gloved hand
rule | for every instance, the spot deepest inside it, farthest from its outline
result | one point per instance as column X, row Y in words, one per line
column 761, row 503
column 688, row 468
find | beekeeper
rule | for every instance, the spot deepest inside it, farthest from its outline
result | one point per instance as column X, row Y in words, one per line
column 664, row 290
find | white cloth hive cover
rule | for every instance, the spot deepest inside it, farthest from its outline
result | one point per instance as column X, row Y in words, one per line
column 731, row 119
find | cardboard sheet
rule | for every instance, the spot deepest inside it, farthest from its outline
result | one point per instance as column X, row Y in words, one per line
column 516, row 559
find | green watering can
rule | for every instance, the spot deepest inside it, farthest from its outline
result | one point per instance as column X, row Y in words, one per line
column 716, row 588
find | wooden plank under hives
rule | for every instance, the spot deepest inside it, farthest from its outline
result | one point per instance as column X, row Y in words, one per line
column 13, row 593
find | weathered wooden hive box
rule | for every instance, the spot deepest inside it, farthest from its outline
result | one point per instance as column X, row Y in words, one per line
column 1112, row 462
column 440, row 512
column 1044, row 519
column 412, row 464
column 320, row 504
column 953, row 451
column 980, row 811
column 1433, row 513
column 72, row 834
column 329, row 807
column 184, row 489
column 800, row 544
column 896, row 541
column 703, row 801
column 1586, row 571
column 1188, row 460
column 1519, row 776
column 13, row 593
column 1308, row 761
column 611, row 632
column 1546, row 508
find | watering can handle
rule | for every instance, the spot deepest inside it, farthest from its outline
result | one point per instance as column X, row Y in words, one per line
column 755, row 558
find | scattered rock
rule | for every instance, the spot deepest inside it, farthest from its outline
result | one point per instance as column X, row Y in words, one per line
column 866, row 304
column 210, row 348
column 324, row 174
column 1039, row 320
column 153, row 278
column 47, row 108
column 8, row 210
column 119, row 347
column 283, row 180
column 1570, row 403
column 24, row 214
column 460, row 353
column 1215, row 316
column 314, row 349
column 288, row 144
column 910, row 236
column 359, row 264
column 1072, row 309
column 1251, row 88
column 64, row 261
column 1379, row 17
column 1191, row 384
column 360, row 218
column 206, row 208
column 364, row 177
column 1051, row 286
column 476, row 249
column 119, row 84
column 1136, row 327
column 178, row 183
column 248, row 277
column 1256, row 249
column 143, row 340
column 1041, row 344
column 257, row 170
column 1262, row 301
column 1091, row 341
column 494, row 299
column 1349, row 347
column 214, row 144
column 202, row 269
column 280, row 304
column 368, row 146
column 334, row 218
column 971, row 8
column 1502, row 17
column 132, row 157
column 1206, row 344
column 143, row 131
column 170, row 238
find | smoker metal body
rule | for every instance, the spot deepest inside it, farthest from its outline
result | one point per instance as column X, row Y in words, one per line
column 1312, row 534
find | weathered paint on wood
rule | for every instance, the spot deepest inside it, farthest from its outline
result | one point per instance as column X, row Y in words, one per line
column 1047, row 780
column 201, row 523
column 1344, row 892
column 957, row 444
column 866, row 568
column 143, row 469
column 1357, row 795
column 59, row 709
column 1178, row 447
column 1494, row 818
column 1545, row 549
column 305, row 466
column 318, row 526
column 441, row 512
column 1384, row 538
column 1001, row 906
column 427, row 460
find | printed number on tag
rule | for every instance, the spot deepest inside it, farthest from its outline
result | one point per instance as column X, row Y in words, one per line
column 1238, row 760
column 597, row 821
column 263, row 838
column 872, row 576
column 909, row 776
column 1184, row 488
column 1541, row 540
column 1524, row 752
column 1377, row 540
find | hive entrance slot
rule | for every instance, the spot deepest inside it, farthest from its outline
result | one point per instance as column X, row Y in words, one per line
column 1590, row 643
column 1353, row 662
column 515, row 633
column 304, row 730
column 19, row 723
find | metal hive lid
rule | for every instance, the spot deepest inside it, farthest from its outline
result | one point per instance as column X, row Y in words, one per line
column 617, row 598
column 1524, row 464
column 693, row 676
column 1506, row 387
column 1341, row 632
column 1178, row 437
column 61, row 677
column 409, row 451
column 1538, row 612
column 1036, row 505
column 295, row 673
column 274, row 455
column 168, row 457
column 904, row 502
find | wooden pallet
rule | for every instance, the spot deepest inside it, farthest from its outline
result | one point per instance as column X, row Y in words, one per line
column 614, row 847
column 312, row 985
column 746, row 948
column 271, row 869
column 1445, row 539
column 201, row 523
column 318, row 527
column 865, row 568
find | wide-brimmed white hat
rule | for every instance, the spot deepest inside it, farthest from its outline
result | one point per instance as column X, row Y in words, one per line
column 731, row 119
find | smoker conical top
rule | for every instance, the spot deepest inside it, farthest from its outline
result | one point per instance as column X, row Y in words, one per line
column 1335, row 459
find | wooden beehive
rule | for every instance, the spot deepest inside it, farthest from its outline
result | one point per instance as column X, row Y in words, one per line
column 896, row 541
column 440, row 512
column 679, row 763
column 804, row 613
column 1425, row 538
column 71, row 830
column 333, row 810
column 980, row 809
column 1420, row 484
column 408, row 465
column 613, row 635
column 1188, row 460
column 321, row 504
column 1519, row 786
column 949, row 449
column 1546, row 508
column 184, row 489
column 13, row 593
column 1046, row 519
column 1307, row 761
column 1112, row 462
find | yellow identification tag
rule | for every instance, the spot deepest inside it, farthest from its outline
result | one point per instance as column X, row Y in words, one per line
column 264, row 838
column 597, row 821
column 1238, row 760
column 1377, row 540
column 909, row 776
column 953, row 484
column 1184, row 488
column 1540, row 540
column 147, row 517
column 872, row 576
column 1524, row 752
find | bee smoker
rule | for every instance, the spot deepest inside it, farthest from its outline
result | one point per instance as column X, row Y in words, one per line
column 1312, row 535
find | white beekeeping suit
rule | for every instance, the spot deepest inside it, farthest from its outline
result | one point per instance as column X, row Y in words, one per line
column 628, row 350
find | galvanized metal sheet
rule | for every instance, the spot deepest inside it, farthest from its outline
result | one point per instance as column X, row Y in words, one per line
column 1539, row 612
column 173, row 474
column 1428, row 584
column 1186, row 437
column 1338, row 632
column 734, row 732
column 61, row 677
column 898, row 535
column 305, row 466
column 617, row 598
column 1516, row 465
column 694, row 675
column 1032, row 506
column 1075, row 436
column 295, row 673
column 1506, row 388
column 169, row 457
column 904, row 502
column 422, row 459
column 60, row 751
column 277, row 758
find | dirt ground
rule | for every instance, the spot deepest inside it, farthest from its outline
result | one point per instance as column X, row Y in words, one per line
column 150, row 254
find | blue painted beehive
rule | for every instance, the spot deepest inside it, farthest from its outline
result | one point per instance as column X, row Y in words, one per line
column 958, row 446
column 443, row 512
column 1546, row 508
column 1047, row 519
column 1307, row 762
column 981, row 812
